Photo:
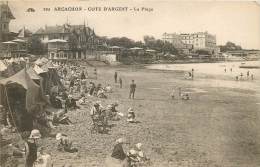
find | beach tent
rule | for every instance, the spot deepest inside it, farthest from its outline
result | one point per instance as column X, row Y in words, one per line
column 21, row 80
column 21, row 96
column 22, row 59
column 33, row 75
column 50, row 77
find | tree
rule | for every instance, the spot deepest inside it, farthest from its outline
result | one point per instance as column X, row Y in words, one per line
column 159, row 45
column 123, row 42
column 35, row 46
column 229, row 46
column 202, row 52
column 148, row 40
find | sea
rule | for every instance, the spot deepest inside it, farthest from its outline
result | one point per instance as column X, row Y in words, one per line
column 224, row 73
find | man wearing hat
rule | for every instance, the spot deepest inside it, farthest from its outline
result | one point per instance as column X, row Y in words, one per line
column 31, row 148
column 132, row 90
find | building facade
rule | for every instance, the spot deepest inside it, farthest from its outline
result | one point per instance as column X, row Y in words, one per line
column 5, row 17
column 10, row 44
column 68, row 41
column 196, row 41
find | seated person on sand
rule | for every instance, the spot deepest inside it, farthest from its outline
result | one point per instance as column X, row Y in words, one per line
column 136, row 155
column 140, row 154
column 55, row 101
column 101, row 94
column 112, row 113
column 108, row 88
column 188, row 76
column 64, row 144
column 43, row 159
column 131, row 116
column 98, row 87
column 91, row 88
column 60, row 117
column 83, row 100
column 95, row 111
column 185, row 96
column 118, row 158
column 70, row 103
column 132, row 157
column 118, row 151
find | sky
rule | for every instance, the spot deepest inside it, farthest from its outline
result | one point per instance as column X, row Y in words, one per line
column 234, row 21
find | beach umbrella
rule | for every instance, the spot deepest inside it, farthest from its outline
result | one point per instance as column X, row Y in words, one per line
column 150, row 50
column 9, row 42
column 22, row 59
column 19, row 40
column 115, row 47
column 136, row 48
column 57, row 40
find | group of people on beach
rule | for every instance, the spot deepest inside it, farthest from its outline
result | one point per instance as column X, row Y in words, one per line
column 240, row 77
column 77, row 93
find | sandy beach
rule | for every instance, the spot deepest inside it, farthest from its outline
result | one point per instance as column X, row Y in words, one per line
column 218, row 127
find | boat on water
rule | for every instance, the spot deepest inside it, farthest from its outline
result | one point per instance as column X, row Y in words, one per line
column 249, row 66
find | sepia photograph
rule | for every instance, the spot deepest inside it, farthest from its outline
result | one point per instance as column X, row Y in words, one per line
column 129, row 83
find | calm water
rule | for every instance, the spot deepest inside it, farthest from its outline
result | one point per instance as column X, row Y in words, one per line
column 221, row 78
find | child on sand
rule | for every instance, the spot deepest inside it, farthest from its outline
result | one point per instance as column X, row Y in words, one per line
column 131, row 116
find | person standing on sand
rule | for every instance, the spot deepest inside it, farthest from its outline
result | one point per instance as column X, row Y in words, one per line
column 120, row 82
column 192, row 73
column 180, row 92
column 132, row 90
column 115, row 77
column 95, row 73
column 241, row 75
column 252, row 77
column 236, row 78
column 225, row 70
column 31, row 148
column 247, row 74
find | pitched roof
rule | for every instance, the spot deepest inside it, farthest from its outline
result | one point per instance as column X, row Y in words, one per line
column 23, row 33
column 66, row 28
column 22, row 78
column 4, row 8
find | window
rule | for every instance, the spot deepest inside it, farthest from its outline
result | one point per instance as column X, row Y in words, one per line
column 4, row 26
